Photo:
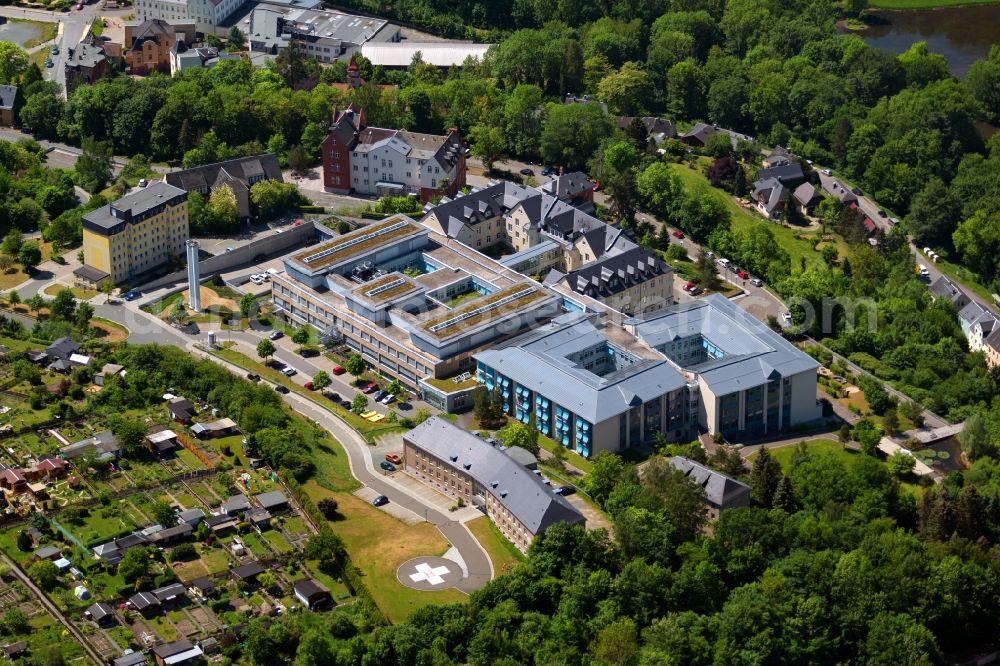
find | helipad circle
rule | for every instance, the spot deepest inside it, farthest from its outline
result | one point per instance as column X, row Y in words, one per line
column 429, row 573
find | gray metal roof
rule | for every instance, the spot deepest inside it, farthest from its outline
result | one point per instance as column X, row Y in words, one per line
column 275, row 498
column 945, row 288
column 522, row 493
column 235, row 503
column 782, row 172
column 539, row 362
column 721, row 491
column 753, row 354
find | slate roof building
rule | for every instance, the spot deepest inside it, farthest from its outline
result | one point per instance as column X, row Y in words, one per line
column 272, row 501
column 180, row 409
column 657, row 129
column 770, row 197
column 390, row 162
column 104, row 445
column 86, row 63
column 177, row 652
column 790, row 175
column 721, row 492
column 131, row 658
column 247, row 571
column 239, row 175
column 100, row 613
column 944, row 288
column 235, row 504
column 460, row 464
column 807, row 197
column 62, row 348
column 311, row 593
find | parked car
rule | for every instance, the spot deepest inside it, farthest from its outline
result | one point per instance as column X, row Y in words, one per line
column 281, row 388
column 695, row 290
column 309, row 386
column 688, row 286
column 388, row 399
column 724, row 262
column 743, row 275
column 882, row 213
column 346, row 404
column 394, row 458
column 370, row 387
column 548, row 171
column 527, row 172
column 253, row 376
column 276, row 335
column 143, row 182
column 256, row 279
column 387, row 466
column 289, row 371
column 131, row 295
column 786, row 317
column 757, row 282
column 381, row 500
column 857, row 191
column 379, row 395
column 678, row 234
column 564, row 490
column 827, row 172
column 339, row 370
column 55, row 50
column 49, row 63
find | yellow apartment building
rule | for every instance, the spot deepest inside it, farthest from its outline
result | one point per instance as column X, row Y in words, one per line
column 137, row 233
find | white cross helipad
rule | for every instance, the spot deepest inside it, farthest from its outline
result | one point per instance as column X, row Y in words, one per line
column 430, row 574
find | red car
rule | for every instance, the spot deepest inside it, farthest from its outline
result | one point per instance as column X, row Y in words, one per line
column 309, row 386
column 394, row 458
column 678, row 234
column 370, row 387
column 743, row 275
column 339, row 370
column 688, row 286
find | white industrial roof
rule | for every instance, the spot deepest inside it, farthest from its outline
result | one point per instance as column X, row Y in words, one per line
column 441, row 54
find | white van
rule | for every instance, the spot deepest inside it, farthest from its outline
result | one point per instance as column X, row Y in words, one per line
column 724, row 262
column 923, row 271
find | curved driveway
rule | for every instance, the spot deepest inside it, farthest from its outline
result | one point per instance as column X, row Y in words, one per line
column 146, row 329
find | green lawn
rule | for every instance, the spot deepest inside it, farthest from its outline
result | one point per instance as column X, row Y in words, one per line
column 378, row 544
column 786, row 237
column 252, row 541
column 818, row 445
column 502, row 552
column 277, row 541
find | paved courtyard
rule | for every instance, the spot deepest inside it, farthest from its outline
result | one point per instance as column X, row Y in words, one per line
column 429, row 573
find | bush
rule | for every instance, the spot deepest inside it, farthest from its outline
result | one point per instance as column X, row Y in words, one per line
column 184, row 551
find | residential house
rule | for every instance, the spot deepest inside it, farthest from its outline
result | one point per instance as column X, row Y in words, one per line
column 9, row 102
column 239, row 175
column 101, row 613
column 148, row 44
column 219, row 428
column 944, row 288
column 778, row 157
column 181, row 410
column 770, row 197
column 657, row 129
column 462, row 465
column 311, row 594
column 790, row 175
column 176, row 653
column 721, row 492
column 182, row 57
column 982, row 330
column 103, row 445
column 272, row 501
column 107, row 372
column 90, row 278
column 62, row 348
column 699, row 135
column 388, row 162
column 477, row 219
column 86, row 63
column 247, row 572
column 163, row 442
column 807, row 197
column 236, row 504
column 839, row 191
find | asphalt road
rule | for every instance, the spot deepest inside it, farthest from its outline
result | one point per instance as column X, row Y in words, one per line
column 147, row 329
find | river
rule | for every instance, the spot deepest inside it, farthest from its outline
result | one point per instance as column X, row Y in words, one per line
column 961, row 34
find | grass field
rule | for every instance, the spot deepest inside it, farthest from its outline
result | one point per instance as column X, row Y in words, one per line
column 81, row 294
column 114, row 332
column 819, row 445
column 502, row 552
column 378, row 544
column 786, row 237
